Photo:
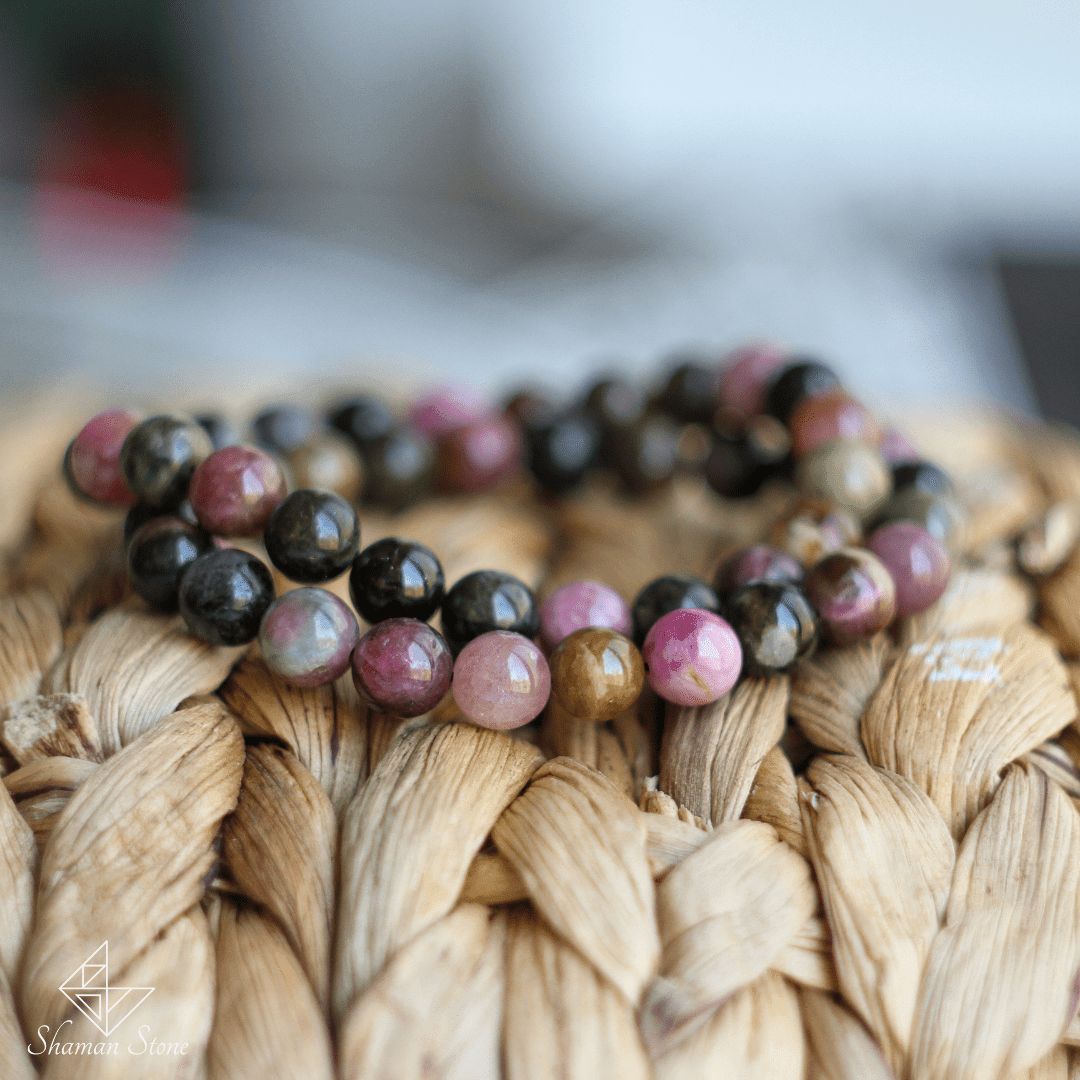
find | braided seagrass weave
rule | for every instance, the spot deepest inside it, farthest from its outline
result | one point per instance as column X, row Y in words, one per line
column 868, row 869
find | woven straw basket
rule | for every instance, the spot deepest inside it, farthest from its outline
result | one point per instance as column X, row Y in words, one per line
column 870, row 869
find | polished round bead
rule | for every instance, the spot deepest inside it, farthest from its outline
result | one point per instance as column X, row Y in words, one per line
column 692, row 657
column 398, row 469
column 282, row 428
column 446, row 408
column 918, row 564
column 92, row 462
column 159, row 456
column 896, row 448
column 775, row 625
column 480, row 455
column 853, row 593
column 745, row 375
column 312, row 536
column 615, row 402
column 488, row 600
column 307, row 637
column 396, row 579
column 850, row 474
column 140, row 514
column 795, row 382
column 692, row 392
column 224, row 596
column 235, row 490
column 159, row 552
column 501, row 680
column 581, row 604
column 670, row 593
column 596, row 674
column 835, row 415
column 758, row 563
column 739, row 463
column 531, row 409
column 646, row 454
column 562, row 451
column 221, row 432
column 941, row 515
column 330, row 462
column 923, row 476
column 364, row 419
column 402, row 667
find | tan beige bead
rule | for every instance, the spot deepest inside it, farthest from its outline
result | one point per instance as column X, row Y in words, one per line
column 329, row 463
column 848, row 473
column 596, row 674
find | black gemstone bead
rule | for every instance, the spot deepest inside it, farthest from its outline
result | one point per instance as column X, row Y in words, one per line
column 221, row 432
column 562, row 452
column 160, row 550
column 692, row 392
column 141, row 513
column 615, row 402
column 312, row 536
column 224, row 596
column 740, row 463
column 396, row 579
column 775, row 624
column 399, row 469
column 282, row 428
column 802, row 379
column 646, row 454
column 669, row 593
column 488, row 600
column 923, row 476
column 158, row 457
column 364, row 419
column 532, row 409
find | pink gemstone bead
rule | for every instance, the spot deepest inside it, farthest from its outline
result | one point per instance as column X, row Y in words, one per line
column 757, row 563
column 692, row 657
column 480, row 454
column 582, row 604
column 307, row 637
column 918, row 563
column 94, row 457
column 745, row 376
column 821, row 419
column 446, row 408
column 895, row 447
column 403, row 667
column 853, row 593
column 501, row 680
column 235, row 490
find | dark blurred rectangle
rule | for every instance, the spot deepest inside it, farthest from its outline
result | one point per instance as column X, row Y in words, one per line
column 1043, row 297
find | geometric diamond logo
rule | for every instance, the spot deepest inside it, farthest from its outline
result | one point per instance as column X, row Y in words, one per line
column 105, row 1006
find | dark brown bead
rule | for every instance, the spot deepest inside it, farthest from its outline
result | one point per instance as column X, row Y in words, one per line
column 692, row 392
column 399, row 469
column 775, row 624
column 853, row 593
column 159, row 456
column 596, row 674
column 646, row 454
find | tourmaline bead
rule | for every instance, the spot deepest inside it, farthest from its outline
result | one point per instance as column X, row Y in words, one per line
column 615, row 402
column 479, row 455
column 775, row 625
column 221, row 432
column 330, row 462
column 235, row 490
column 312, row 536
column 403, row 667
column 792, row 384
column 224, row 596
column 92, row 462
column 745, row 375
column 159, row 456
column 282, row 428
column 740, row 462
column 848, row 473
column 307, row 637
column 596, row 674
column 896, row 448
column 692, row 392
column 923, row 476
column 918, row 564
column 396, row 579
column 140, row 514
column 160, row 551
column 941, row 515
column 853, row 594
column 446, row 408
column 398, row 469
column 835, row 415
column 581, row 604
column 363, row 419
column 562, row 451
column 501, row 680
column 758, row 563
column 646, row 454
column 488, row 600
column 531, row 409
column 692, row 657
column 666, row 594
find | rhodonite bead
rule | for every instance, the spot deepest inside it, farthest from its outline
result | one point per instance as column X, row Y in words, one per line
column 329, row 462
column 692, row 392
column 596, row 674
column 488, row 600
column 221, row 432
column 775, row 625
column 918, row 564
column 561, row 451
column 848, row 473
column 403, row 667
column 159, row 456
column 92, row 461
column 398, row 469
column 479, row 455
column 307, row 637
column 363, row 419
column 853, row 594
column 745, row 375
column 581, row 604
column 758, row 563
column 646, row 454
column 501, row 680
column 923, row 476
column 282, row 428
column 446, row 408
column 224, row 596
column 794, row 383
column 669, row 593
column 312, row 536
column 835, row 415
column 160, row 551
column 396, row 579
column 692, row 657
column 235, row 490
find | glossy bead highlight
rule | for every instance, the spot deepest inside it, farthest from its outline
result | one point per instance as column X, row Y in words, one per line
column 692, row 657
column 581, row 604
column 488, row 600
column 312, row 536
column 159, row 456
column 396, row 579
column 235, row 490
column 853, row 594
column 224, row 596
column 669, row 593
column 501, row 680
column 307, row 637
column 775, row 625
column 918, row 564
column 402, row 667
column 596, row 674
column 159, row 552
column 92, row 462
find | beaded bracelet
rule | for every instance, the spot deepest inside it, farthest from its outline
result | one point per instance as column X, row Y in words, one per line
column 195, row 495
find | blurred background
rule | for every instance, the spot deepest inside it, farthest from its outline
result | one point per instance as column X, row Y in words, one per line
column 225, row 193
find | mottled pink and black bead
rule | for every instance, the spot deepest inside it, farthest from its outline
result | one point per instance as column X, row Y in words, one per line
column 501, row 680
column 235, row 490
column 403, row 667
column 818, row 420
column 579, row 605
column 480, row 454
column 92, row 464
column 446, row 408
column 745, row 375
column 757, row 563
column 307, row 637
column 918, row 563
column 692, row 657
column 853, row 593
column 896, row 448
